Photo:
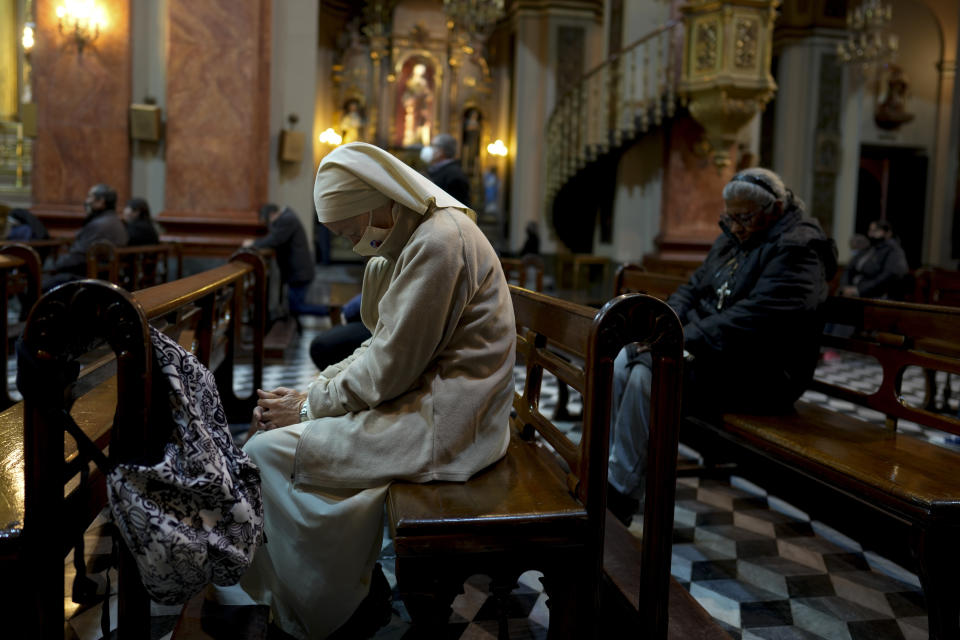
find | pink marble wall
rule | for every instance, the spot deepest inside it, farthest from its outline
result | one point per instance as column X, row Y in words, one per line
column 692, row 200
column 82, row 103
column 218, row 107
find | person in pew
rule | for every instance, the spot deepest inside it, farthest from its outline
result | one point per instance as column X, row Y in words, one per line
column 288, row 238
column 444, row 168
column 750, row 320
column 877, row 270
column 140, row 228
column 101, row 223
column 339, row 341
column 23, row 225
column 426, row 397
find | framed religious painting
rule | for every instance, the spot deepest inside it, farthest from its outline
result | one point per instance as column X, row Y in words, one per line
column 415, row 103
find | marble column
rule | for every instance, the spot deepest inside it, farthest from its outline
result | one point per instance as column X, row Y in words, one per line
column 692, row 187
column 218, row 106
column 82, row 126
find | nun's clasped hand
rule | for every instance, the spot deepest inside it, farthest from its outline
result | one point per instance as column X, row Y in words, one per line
column 278, row 408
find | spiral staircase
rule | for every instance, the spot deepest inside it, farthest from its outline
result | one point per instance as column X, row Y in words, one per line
column 712, row 64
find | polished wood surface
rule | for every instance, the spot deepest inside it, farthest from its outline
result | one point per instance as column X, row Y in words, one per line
column 903, row 471
column 133, row 267
column 903, row 476
column 529, row 510
column 633, row 278
column 112, row 407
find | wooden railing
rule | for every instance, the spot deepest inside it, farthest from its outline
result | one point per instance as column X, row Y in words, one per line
column 613, row 103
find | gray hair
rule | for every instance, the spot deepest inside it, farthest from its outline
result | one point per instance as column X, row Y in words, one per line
column 447, row 144
column 107, row 193
column 758, row 185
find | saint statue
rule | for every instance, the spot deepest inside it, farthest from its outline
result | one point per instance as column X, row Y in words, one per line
column 351, row 122
column 470, row 149
column 891, row 109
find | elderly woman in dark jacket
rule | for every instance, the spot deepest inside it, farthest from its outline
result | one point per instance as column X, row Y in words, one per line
column 750, row 319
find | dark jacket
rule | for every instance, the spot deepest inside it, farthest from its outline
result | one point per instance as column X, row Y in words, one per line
column 449, row 177
column 100, row 225
column 27, row 225
column 756, row 349
column 141, row 232
column 287, row 237
column 877, row 271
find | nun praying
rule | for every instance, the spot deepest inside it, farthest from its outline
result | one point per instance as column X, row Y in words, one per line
column 426, row 397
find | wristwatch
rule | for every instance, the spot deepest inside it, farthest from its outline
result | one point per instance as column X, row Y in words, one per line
column 305, row 410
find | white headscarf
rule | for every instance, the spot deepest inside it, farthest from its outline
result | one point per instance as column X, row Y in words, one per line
column 358, row 177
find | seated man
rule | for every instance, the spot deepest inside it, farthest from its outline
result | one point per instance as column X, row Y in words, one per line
column 287, row 237
column 101, row 223
column 427, row 397
column 750, row 322
column 877, row 270
column 444, row 168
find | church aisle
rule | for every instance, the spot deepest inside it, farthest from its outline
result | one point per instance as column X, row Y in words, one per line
column 758, row 565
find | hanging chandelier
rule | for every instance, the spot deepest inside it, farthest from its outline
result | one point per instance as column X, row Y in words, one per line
column 475, row 17
column 869, row 39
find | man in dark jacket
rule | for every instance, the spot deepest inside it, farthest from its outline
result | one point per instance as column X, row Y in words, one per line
column 101, row 223
column 287, row 237
column 750, row 319
column 444, row 168
column 879, row 269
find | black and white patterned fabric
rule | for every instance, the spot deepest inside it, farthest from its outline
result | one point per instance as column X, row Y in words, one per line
column 195, row 516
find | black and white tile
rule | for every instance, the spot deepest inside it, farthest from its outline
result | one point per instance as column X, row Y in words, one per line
column 761, row 567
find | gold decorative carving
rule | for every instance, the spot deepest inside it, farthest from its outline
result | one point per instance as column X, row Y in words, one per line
column 745, row 47
column 726, row 77
column 706, row 46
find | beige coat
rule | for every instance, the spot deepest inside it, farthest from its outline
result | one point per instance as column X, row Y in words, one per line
column 428, row 396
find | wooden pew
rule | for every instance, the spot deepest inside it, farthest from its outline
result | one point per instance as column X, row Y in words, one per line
column 633, row 278
column 897, row 475
column 47, row 498
column 515, row 270
column 543, row 505
column 19, row 276
column 937, row 286
column 135, row 267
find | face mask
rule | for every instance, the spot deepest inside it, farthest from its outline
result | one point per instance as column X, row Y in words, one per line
column 371, row 240
column 426, row 154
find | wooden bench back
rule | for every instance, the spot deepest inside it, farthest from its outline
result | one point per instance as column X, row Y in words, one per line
column 516, row 269
column 633, row 278
column 111, row 402
column 937, row 286
column 132, row 268
column 898, row 335
column 578, row 345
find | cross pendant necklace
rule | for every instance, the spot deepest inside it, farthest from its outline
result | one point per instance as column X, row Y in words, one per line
column 722, row 292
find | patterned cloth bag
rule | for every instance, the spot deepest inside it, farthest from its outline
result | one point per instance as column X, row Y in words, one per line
column 195, row 516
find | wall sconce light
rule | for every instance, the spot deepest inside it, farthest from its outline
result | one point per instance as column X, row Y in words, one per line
column 497, row 148
column 28, row 39
column 80, row 20
column 331, row 137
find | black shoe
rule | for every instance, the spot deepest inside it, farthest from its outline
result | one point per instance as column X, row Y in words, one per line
column 622, row 507
column 374, row 611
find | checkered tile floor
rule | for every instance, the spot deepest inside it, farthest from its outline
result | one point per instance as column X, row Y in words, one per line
column 758, row 565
